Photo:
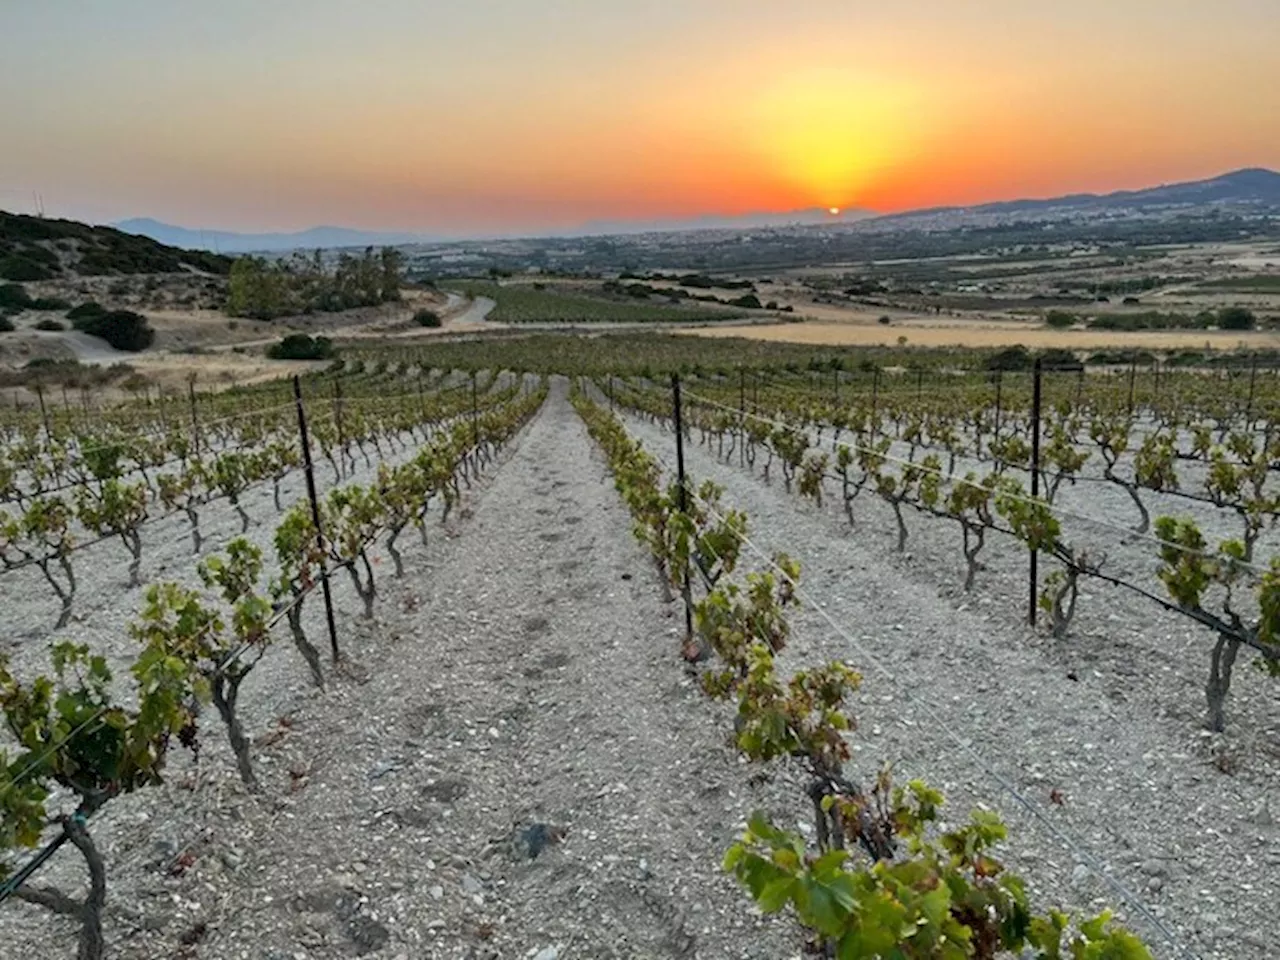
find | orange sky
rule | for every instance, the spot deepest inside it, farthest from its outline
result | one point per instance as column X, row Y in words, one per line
column 472, row 117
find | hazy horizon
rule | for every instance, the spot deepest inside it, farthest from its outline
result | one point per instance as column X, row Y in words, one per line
column 515, row 117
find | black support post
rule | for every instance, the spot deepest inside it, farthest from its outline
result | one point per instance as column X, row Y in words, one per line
column 195, row 418
column 682, row 489
column 305, row 440
column 1035, row 485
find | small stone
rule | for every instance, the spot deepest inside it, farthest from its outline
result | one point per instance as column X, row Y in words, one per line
column 1079, row 875
column 1261, row 815
column 436, row 892
column 470, row 885
column 547, row 953
column 533, row 839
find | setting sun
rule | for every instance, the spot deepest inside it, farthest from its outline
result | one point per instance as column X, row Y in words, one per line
column 833, row 133
column 834, row 211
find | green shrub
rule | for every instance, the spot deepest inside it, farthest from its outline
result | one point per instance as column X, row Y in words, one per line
column 1012, row 358
column 748, row 302
column 1236, row 318
column 701, row 281
column 123, row 329
column 1060, row 319
column 6, row 325
column 23, row 269
column 300, row 346
column 86, row 311
column 1123, row 357
column 50, row 303
column 1058, row 359
column 13, row 296
column 428, row 318
column 1153, row 320
column 49, row 324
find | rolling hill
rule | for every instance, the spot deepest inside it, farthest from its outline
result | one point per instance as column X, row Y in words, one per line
column 1255, row 187
column 33, row 248
column 229, row 242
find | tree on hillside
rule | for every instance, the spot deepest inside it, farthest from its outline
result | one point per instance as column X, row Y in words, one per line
column 392, row 268
column 256, row 289
column 301, row 284
column 1236, row 318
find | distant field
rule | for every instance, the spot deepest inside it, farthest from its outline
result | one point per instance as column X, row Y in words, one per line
column 1262, row 283
column 524, row 303
column 987, row 337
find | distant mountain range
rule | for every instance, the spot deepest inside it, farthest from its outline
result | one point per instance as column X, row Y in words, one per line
column 1254, row 187
column 224, row 241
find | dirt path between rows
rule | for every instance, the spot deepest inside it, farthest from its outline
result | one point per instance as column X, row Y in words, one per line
column 1086, row 744
column 514, row 765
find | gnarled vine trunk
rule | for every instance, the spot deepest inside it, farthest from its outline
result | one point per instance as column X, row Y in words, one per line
column 1221, row 663
column 244, row 517
column 303, row 645
column 1064, row 598
column 975, row 536
column 91, row 945
column 364, row 586
column 902, row 524
column 194, row 518
column 133, row 540
column 395, row 554
column 226, row 690
column 65, row 594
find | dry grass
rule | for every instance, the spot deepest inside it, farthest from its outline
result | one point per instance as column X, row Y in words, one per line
column 959, row 333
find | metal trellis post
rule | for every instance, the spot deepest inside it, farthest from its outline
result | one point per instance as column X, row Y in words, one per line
column 683, row 493
column 1035, row 484
column 315, row 516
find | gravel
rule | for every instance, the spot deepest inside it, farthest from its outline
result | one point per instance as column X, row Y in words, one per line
column 1108, row 720
column 510, row 762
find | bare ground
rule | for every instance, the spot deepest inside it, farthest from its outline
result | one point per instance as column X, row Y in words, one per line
column 1099, row 733
column 988, row 334
column 511, row 760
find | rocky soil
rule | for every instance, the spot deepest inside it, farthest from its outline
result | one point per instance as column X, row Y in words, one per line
column 1099, row 733
column 510, row 762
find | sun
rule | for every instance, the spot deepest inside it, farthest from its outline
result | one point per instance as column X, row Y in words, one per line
column 833, row 132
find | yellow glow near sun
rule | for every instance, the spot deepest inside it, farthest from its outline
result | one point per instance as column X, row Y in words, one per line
column 830, row 132
column 834, row 211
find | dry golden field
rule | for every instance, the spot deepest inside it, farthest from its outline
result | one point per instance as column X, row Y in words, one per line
column 944, row 333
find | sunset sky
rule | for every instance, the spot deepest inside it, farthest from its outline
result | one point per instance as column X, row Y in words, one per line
column 513, row 115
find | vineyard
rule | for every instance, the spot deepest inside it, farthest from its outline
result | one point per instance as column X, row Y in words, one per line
column 533, row 303
column 748, row 662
